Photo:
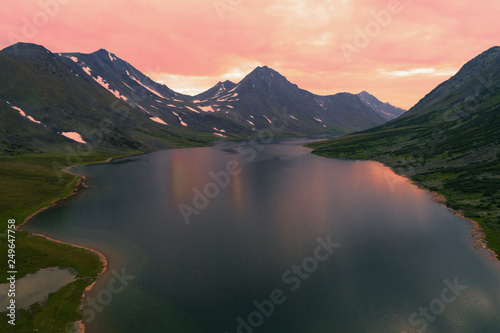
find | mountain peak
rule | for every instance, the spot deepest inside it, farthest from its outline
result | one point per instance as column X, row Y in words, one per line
column 493, row 52
column 26, row 50
column 217, row 90
column 493, row 49
column 226, row 85
column 105, row 54
column 472, row 77
column 486, row 58
column 263, row 69
column 101, row 51
column 387, row 110
column 264, row 73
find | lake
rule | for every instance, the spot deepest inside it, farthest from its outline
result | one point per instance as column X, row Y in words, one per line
column 271, row 238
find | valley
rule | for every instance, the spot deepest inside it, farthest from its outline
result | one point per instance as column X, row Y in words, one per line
column 60, row 110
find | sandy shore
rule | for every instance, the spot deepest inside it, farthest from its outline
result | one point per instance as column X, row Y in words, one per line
column 79, row 185
column 104, row 262
column 478, row 237
column 477, row 233
column 79, row 325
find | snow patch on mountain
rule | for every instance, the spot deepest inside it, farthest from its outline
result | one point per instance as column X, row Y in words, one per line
column 207, row 108
column 73, row 136
column 158, row 120
column 143, row 109
column 103, row 83
column 321, row 104
column 180, row 119
column 148, row 88
column 128, row 86
column 23, row 113
column 192, row 109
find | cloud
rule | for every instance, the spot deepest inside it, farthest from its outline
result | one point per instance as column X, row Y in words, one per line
column 193, row 85
column 187, row 43
column 417, row 72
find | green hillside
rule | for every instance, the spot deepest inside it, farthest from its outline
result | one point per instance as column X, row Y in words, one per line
column 62, row 99
column 34, row 155
column 449, row 142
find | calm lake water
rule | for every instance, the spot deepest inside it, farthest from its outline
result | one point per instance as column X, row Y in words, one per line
column 255, row 260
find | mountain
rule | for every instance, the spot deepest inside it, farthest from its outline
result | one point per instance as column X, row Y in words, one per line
column 449, row 142
column 230, row 109
column 386, row 110
column 218, row 90
column 120, row 74
column 56, row 99
column 47, row 105
column 180, row 112
column 265, row 96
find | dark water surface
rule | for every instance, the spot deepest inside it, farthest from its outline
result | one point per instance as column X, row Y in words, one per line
column 401, row 263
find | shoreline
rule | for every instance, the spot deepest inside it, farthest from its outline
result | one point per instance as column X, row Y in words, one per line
column 476, row 231
column 477, row 234
column 102, row 258
column 80, row 185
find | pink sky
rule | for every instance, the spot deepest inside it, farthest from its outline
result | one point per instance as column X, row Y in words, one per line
column 189, row 45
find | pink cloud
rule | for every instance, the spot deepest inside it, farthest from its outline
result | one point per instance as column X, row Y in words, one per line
column 299, row 38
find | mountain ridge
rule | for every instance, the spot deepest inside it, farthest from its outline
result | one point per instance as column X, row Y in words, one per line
column 68, row 92
column 448, row 142
column 247, row 106
column 43, row 98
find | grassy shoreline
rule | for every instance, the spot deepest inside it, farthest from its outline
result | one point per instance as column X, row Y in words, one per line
column 31, row 185
column 470, row 202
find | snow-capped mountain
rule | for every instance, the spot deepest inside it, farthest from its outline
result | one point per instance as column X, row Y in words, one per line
column 220, row 89
column 157, row 101
column 265, row 94
column 71, row 92
column 229, row 108
column 386, row 110
column 45, row 104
